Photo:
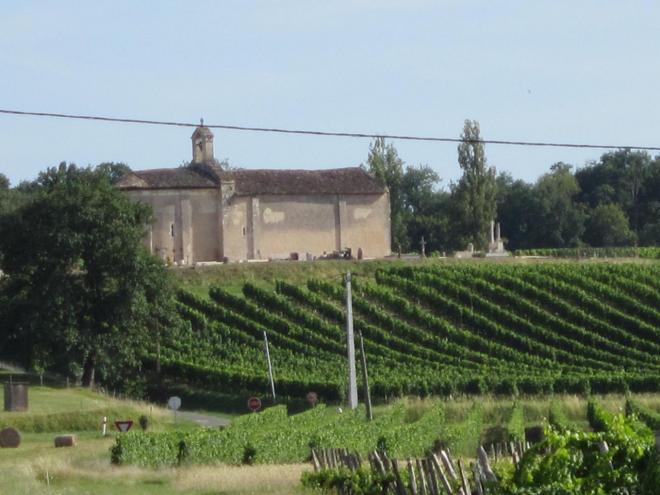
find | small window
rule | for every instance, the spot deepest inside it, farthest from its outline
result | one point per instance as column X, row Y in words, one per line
column 172, row 229
column 243, row 231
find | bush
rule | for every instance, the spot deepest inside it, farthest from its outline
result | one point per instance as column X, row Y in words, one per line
column 249, row 454
column 143, row 422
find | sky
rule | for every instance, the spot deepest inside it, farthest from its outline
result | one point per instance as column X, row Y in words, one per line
column 564, row 71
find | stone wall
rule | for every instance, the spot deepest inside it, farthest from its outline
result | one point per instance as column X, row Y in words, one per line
column 185, row 223
column 193, row 225
column 275, row 226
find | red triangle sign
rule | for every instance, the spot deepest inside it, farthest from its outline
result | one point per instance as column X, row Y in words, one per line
column 124, row 426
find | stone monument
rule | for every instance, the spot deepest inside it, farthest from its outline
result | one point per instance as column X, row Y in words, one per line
column 496, row 244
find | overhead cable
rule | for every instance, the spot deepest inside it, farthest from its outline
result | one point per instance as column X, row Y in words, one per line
column 329, row 133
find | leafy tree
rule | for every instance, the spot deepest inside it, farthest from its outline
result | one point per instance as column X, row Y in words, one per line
column 608, row 226
column 80, row 292
column 561, row 219
column 475, row 193
column 425, row 209
column 114, row 171
column 4, row 182
column 385, row 165
column 518, row 212
column 618, row 177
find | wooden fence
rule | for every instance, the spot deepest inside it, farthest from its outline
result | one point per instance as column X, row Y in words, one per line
column 436, row 474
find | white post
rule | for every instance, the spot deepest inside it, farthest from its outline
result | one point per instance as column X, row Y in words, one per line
column 270, row 367
column 350, row 344
column 492, row 231
column 105, row 425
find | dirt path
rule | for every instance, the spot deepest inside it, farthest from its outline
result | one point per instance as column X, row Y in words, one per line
column 203, row 419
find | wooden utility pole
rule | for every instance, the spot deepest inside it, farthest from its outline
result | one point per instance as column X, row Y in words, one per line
column 350, row 344
column 365, row 377
column 270, row 367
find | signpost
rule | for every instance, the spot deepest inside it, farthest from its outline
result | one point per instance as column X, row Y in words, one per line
column 254, row 404
column 174, row 403
column 124, row 426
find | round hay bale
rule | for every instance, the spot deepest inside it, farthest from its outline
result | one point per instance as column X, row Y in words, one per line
column 65, row 441
column 10, row 438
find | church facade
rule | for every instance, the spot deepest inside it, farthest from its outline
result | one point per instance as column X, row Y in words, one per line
column 202, row 212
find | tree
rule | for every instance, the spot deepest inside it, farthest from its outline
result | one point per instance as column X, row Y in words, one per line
column 475, row 193
column 619, row 178
column 385, row 165
column 425, row 209
column 560, row 217
column 609, row 226
column 4, row 182
column 81, row 291
column 114, row 171
column 518, row 211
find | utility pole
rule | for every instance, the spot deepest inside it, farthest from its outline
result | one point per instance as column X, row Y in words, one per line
column 365, row 377
column 350, row 344
column 270, row 367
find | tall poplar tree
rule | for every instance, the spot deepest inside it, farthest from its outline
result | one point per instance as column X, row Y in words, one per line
column 476, row 190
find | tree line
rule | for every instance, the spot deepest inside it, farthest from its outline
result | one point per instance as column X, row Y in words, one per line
column 613, row 201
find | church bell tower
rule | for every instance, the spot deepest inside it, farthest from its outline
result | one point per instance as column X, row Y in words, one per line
column 202, row 144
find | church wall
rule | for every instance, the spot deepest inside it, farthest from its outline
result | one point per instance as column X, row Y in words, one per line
column 235, row 228
column 205, row 211
column 294, row 224
column 366, row 224
column 278, row 225
column 184, row 226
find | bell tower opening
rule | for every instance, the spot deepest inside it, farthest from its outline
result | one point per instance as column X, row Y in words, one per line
column 202, row 144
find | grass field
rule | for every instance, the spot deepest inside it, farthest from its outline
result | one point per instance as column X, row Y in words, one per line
column 37, row 467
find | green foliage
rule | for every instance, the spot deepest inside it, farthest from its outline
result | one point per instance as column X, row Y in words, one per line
column 476, row 190
column 557, row 417
column 608, row 226
column 593, row 252
column 515, row 424
column 80, row 289
column 433, row 329
column 647, row 416
column 274, row 437
column 574, row 463
column 361, row 482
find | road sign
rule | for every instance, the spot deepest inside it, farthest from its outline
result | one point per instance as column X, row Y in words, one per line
column 174, row 403
column 254, row 404
column 124, row 426
column 312, row 398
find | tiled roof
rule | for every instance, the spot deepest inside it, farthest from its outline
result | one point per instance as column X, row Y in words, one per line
column 351, row 180
column 165, row 178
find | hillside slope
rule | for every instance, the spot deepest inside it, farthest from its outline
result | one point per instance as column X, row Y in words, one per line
column 433, row 329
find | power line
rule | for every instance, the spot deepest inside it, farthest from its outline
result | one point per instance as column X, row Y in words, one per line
column 328, row 133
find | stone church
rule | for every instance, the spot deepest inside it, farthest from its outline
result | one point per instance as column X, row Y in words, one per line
column 202, row 212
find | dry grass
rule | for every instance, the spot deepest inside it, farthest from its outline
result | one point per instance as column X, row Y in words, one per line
column 38, row 468
column 275, row 479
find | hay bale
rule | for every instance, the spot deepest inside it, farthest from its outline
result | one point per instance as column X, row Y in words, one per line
column 65, row 441
column 10, row 438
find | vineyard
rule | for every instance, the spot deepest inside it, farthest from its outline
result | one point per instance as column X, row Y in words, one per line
column 431, row 329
